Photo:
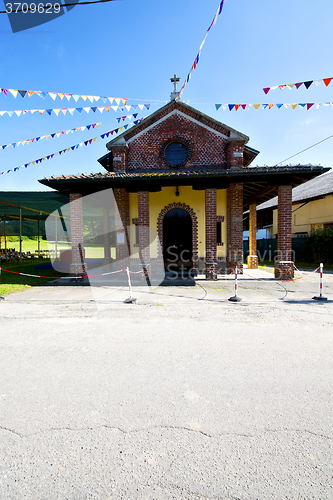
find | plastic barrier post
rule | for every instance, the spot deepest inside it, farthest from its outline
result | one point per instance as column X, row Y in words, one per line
column 320, row 297
column 235, row 298
column 130, row 300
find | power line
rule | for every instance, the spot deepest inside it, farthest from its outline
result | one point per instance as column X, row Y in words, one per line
column 49, row 5
column 313, row 145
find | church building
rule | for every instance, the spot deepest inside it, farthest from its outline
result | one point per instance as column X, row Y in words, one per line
column 190, row 178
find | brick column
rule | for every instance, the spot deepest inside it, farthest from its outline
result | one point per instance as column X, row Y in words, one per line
column 119, row 157
column 235, row 227
column 107, row 239
column 284, row 268
column 252, row 260
column 211, row 242
column 144, row 233
column 77, row 267
column 235, row 156
column 122, row 222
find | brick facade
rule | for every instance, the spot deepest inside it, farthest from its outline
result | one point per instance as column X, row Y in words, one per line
column 77, row 267
column 210, row 228
column 144, row 233
column 235, row 227
column 106, row 236
column 235, row 158
column 284, row 267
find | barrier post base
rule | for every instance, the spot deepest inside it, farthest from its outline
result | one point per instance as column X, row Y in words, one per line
column 129, row 300
column 319, row 298
column 235, row 299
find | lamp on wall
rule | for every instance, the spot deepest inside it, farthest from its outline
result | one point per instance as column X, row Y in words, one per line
column 177, row 191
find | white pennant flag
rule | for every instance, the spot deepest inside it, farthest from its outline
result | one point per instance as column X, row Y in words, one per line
column 86, row 110
column 71, row 110
column 53, row 95
column 13, row 92
column 91, row 98
column 76, row 97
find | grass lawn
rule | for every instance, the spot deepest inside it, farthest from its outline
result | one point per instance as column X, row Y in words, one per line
column 12, row 282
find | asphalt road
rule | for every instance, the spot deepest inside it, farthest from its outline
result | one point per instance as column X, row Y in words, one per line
column 182, row 395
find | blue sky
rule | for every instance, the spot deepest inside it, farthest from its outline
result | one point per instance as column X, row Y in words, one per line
column 131, row 49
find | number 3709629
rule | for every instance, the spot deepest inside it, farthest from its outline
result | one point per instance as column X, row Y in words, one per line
column 41, row 8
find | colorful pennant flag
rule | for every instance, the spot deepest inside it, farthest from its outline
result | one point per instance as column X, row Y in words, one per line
column 72, row 148
column 18, row 112
column 194, row 65
column 53, row 96
column 53, row 135
column 306, row 84
column 306, row 105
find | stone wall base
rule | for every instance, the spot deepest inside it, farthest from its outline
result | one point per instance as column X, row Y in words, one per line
column 211, row 271
column 284, row 270
column 252, row 262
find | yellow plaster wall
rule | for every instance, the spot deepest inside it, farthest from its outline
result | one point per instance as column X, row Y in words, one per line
column 313, row 215
column 188, row 196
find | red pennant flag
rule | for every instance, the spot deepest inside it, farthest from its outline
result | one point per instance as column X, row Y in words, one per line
column 327, row 81
column 266, row 90
column 309, row 105
column 237, row 106
column 297, row 85
column 123, row 118
column 243, row 106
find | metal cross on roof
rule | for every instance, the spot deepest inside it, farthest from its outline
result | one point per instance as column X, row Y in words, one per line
column 174, row 80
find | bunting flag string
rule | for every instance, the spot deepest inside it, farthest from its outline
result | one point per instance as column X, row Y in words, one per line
column 194, row 65
column 72, row 148
column 61, row 96
column 306, row 105
column 19, row 112
column 306, row 84
column 52, row 136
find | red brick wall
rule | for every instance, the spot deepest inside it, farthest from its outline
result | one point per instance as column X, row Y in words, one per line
column 284, row 270
column 206, row 147
column 77, row 268
column 235, row 157
column 235, row 227
column 119, row 154
column 210, row 224
column 144, row 231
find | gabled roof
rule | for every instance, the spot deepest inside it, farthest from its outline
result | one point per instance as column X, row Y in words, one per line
column 181, row 107
column 314, row 189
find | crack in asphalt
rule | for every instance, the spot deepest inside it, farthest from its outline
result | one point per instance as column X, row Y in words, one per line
column 167, row 427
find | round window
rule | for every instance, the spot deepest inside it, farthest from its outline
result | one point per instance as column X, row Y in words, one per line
column 176, row 154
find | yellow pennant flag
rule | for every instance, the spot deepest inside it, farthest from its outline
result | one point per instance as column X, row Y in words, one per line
column 84, row 97
column 47, row 136
column 33, row 162
column 30, row 92
column 23, row 142
column 294, row 106
column 41, row 111
column 94, row 139
column 291, row 85
column 125, row 101
column 68, row 149
column 256, row 106
column 98, row 124
column 61, row 96
column 57, row 111
column 107, row 108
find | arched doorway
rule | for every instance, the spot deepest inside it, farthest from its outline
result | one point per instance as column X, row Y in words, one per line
column 177, row 241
